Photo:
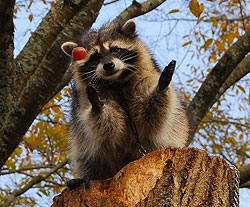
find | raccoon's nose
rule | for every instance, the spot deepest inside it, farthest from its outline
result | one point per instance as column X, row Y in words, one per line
column 109, row 66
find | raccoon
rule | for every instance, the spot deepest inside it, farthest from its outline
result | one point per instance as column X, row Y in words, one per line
column 122, row 105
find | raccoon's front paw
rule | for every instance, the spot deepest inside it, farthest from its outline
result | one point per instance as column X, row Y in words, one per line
column 166, row 76
column 94, row 99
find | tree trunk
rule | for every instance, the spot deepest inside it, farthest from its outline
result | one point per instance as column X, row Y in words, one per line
column 167, row 177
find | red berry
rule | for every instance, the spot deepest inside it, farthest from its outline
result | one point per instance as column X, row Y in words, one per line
column 79, row 53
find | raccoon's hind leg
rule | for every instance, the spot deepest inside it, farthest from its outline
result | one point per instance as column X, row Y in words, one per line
column 166, row 76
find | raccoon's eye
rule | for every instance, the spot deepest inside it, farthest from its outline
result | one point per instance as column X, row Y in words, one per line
column 115, row 50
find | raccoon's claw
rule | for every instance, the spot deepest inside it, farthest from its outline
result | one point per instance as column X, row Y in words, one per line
column 94, row 99
column 74, row 183
column 166, row 76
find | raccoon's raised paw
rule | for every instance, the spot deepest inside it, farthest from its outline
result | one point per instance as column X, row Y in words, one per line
column 74, row 183
column 166, row 76
column 94, row 99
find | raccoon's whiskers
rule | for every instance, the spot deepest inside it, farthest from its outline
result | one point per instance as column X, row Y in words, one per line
column 128, row 58
column 131, row 68
column 121, row 56
column 89, row 76
column 94, row 80
column 89, row 72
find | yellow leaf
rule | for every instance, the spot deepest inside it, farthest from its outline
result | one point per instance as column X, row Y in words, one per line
column 190, row 80
column 214, row 148
column 18, row 151
column 174, row 11
column 220, row 46
column 30, row 4
column 241, row 136
column 230, row 38
column 238, row 127
column 214, row 21
column 223, row 26
column 213, row 138
column 207, row 43
column 15, row 10
column 187, row 43
column 52, row 4
column 213, row 57
column 30, row 17
column 201, row 8
column 196, row 8
column 244, row 148
column 200, row 19
column 234, row 141
column 241, row 88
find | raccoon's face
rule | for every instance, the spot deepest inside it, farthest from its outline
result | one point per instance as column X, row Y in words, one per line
column 111, row 53
column 111, row 60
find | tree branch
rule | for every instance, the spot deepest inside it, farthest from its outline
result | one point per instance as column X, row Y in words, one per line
column 35, row 180
column 244, row 175
column 241, row 70
column 111, row 2
column 204, row 20
column 136, row 9
column 25, row 169
column 205, row 97
column 227, row 122
column 7, row 67
column 245, row 185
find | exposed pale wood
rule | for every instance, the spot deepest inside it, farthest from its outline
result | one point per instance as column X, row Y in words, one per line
column 170, row 177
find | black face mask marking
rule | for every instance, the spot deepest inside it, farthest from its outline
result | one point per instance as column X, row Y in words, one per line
column 87, row 72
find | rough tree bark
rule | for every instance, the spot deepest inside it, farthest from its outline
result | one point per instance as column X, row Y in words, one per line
column 168, row 177
column 7, row 68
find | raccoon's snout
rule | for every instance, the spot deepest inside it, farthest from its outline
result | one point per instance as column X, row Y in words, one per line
column 109, row 66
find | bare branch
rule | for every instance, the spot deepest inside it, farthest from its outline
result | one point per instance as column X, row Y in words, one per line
column 227, row 122
column 25, row 169
column 136, row 9
column 220, row 19
column 35, row 180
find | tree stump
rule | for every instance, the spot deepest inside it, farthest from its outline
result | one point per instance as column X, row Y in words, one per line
column 175, row 177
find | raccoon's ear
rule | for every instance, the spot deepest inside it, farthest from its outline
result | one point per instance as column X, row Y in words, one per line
column 129, row 28
column 67, row 47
